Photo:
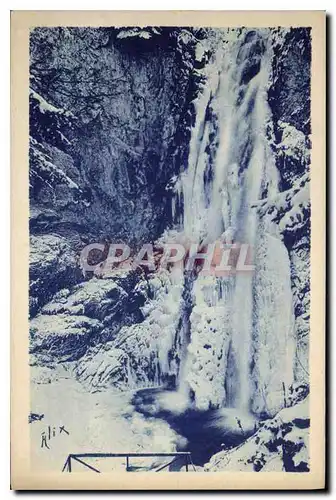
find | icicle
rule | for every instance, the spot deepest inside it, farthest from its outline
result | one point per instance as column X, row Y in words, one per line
column 224, row 338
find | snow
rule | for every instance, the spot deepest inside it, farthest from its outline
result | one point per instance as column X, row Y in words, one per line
column 43, row 167
column 100, row 422
column 101, row 368
column 294, row 143
column 287, row 207
column 135, row 32
column 45, row 106
column 266, row 449
column 61, row 325
column 92, row 294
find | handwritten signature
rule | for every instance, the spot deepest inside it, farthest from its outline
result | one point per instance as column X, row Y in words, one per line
column 50, row 433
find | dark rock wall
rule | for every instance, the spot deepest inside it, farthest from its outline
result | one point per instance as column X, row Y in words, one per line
column 120, row 103
column 107, row 132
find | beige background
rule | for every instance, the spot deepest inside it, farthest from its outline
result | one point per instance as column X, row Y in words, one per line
column 21, row 477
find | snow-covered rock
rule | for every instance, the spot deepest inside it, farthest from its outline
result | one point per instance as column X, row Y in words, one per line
column 53, row 265
column 61, row 337
column 104, row 367
column 79, row 317
column 280, row 444
column 142, row 351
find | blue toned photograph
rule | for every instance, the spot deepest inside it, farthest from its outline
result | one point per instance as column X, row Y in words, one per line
column 169, row 273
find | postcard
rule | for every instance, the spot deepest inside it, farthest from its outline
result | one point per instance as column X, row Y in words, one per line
column 168, row 250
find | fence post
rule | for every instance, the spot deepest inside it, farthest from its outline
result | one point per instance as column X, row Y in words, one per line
column 127, row 463
column 186, row 464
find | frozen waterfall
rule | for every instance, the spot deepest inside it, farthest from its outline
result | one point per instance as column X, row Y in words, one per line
column 241, row 326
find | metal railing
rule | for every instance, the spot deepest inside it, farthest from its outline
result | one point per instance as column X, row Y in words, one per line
column 79, row 459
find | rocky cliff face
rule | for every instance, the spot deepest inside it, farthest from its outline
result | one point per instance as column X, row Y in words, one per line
column 139, row 133
column 106, row 114
column 103, row 153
